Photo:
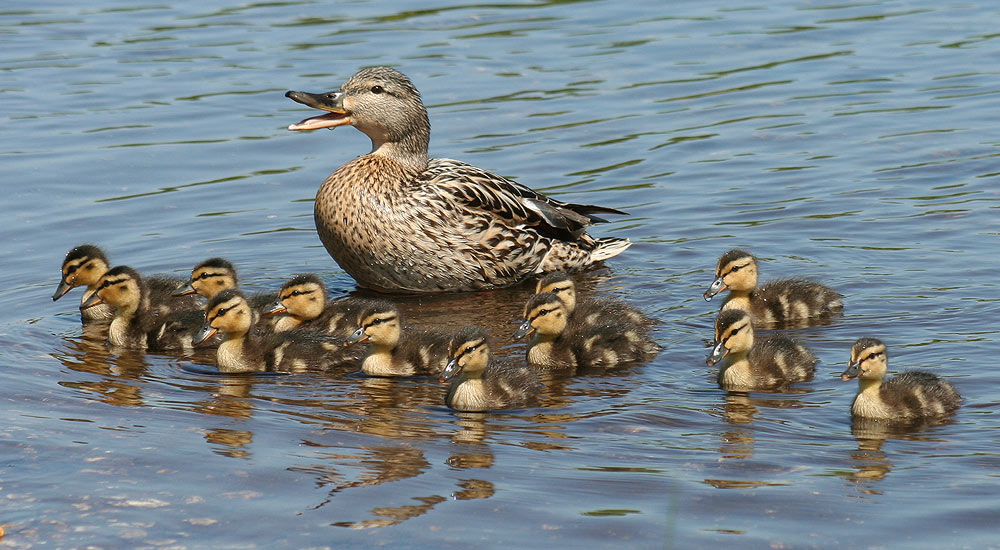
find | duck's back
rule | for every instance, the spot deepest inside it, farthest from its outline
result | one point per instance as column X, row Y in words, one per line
column 611, row 344
column 302, row 351
column 918, row 394
column 511, row 384
column 778, row 361
column 594, row 311
column 792, row 302
column 420, row 352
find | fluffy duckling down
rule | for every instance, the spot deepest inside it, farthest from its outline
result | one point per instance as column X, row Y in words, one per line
column 591, row 311
column 756, row 363
column 397, row 350
column 302, row 300
column 482, row 383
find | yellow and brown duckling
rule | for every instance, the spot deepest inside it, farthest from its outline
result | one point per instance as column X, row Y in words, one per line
column 244, row 349
column 84, row 265
column 482, row 383
column 562, row 344
column 778, row 303
column 141, row 318
column 397, row 350
column 757, row 363
column 908, row 397
column 592, row 311
column 303, row 301
column 214, row 275
column 399, row 221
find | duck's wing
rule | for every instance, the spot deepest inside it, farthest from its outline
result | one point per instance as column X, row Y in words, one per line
column 479, row 189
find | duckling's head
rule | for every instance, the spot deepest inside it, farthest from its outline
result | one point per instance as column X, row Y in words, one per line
column 869, row 360
column 303, row 297
column 227, row 312
column 83, row 265
column 379, row 101
column 733, row 333
column 121, row 287
column 209, row 278
column 380, row 323
column 544, row 314
column 737, row 270
column 560, row 284
column 469, row 350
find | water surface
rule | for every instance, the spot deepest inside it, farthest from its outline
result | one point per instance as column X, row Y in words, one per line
column 854, row 143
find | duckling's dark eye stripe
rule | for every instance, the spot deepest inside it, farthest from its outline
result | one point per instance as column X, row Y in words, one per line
column 207, row 275
column 380, row 320
column 111, row 282
column 470, row 349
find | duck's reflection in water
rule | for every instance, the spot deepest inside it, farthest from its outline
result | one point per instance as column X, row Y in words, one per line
column 870, row 463
column 739, row 411
column 119, row 373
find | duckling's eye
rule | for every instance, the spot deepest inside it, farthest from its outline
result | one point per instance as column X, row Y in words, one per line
column 376, row 89
column 735, row 331
column 221, row 312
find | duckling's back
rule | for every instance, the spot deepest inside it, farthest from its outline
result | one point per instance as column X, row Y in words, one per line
column 302, row 351
column 611, row 344
column 789, row 302
column 511, row 384
column 917, row 394
column 779, row 361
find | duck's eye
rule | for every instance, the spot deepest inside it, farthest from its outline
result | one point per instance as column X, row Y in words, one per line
column 735, row 331
column 222, row 311
column 376, row 89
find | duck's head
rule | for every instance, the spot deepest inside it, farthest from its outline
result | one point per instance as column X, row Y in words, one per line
column 209, row 278
column 469, row 350
column 379, row 101
column 121, row 287
column 733, row 333
column 869, row 360
column 737, row 270
column 544, row 314
column 560, row 284
column 302, row 297
column 379, row 323
column 83, row 265
column 227, row 312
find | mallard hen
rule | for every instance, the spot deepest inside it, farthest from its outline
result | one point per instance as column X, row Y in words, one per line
column 399, row 221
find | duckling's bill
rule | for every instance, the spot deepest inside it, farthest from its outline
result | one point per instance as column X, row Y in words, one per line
column 717, row 286
column 853, row 371
column 524, row 330
column 719, row 352
column 94, row 300
column 276, row 307
column 450, row 370
column 357, row 337
column 207, row 331
column 332, row 102
column 61, row 290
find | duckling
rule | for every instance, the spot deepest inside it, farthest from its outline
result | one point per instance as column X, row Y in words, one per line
column 777, row 303
column 217, row 274
column 395, row 351
column 246, row 350
column 303, row 300
column 86, row 264
column 560, row 344
column 911, row 396
column 399, row 221
column 592, row 311
column 768, row 363
column 484, row 383
column 139, row 322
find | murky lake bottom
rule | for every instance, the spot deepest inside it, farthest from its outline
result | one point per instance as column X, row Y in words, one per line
column 855, row 144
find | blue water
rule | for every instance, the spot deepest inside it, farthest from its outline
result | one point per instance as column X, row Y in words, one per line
column 854, row 143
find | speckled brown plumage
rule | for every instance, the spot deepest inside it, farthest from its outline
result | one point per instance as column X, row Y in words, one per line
column 398, row 221
column 757, row 363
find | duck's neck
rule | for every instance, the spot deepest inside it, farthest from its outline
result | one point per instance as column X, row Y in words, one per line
column 868, row 402
column 118, row 332
column 411, row 153
column 379, row 361
column 542, row 351
column 468, row 393
column 231, row 355
column 736, row 370
column 738, row 299
column 286, row 322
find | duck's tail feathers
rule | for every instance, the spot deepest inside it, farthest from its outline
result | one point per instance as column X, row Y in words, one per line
column 608, row 247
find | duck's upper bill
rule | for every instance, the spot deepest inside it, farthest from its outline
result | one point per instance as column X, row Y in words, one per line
column 332, row 102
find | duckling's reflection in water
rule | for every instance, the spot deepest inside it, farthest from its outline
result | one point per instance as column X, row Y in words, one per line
column 739, row 410
column 117, row 372
column 870, row 462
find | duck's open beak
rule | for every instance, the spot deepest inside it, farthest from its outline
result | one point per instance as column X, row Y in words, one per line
column 206, row 332
column 853, row 370
column 719, row 352
column 357, row 337
column 718, row 286
column 524, row 330
column 94, row 300
column 450, row 370
column 275, row 308
column 184, row 290
column 330, row 101
column 61, row 290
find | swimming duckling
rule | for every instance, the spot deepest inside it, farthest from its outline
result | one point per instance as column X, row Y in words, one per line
column 761, row 363
column 217, row 274
column 776, row 303
column 139, row 321
column 86, row 264
column 560, row 344
column 399, row 221
column 910, row 396
column 483, row 383
column 246, row 350
column 591, row 311
column 303, row 300
column 395, row 351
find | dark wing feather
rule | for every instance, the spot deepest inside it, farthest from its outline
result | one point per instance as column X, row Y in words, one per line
column 511, row 201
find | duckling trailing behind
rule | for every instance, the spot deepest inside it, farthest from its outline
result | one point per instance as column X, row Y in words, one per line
column 909, row 397
column 139, row 321
column 303, row 301
column 84, row 265
column 783, row 302
column 244, row 349
column 395, row 351
column 217, row 274
column 399, row 221
column 484, row 383
column 560, row 344
column 756, row 363
column 592, row 311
